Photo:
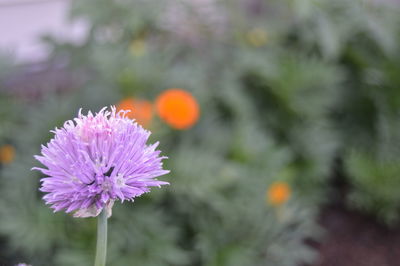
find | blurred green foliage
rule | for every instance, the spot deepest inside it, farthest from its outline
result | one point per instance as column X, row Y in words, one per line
column 285, row 89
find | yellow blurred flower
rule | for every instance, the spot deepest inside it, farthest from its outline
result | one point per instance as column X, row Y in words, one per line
column 257, row 37
column 138, row 47
column 7, row 154
column 278, row 193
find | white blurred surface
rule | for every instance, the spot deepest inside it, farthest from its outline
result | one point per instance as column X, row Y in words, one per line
column 22, row 22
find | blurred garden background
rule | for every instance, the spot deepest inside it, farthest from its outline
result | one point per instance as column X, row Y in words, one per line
column 281, row 121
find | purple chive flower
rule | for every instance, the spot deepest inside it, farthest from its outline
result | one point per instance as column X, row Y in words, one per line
column 96, row 160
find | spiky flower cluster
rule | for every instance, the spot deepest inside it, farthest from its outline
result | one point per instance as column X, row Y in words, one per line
column 97, row 159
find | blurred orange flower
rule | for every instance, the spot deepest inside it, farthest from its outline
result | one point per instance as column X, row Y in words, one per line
column 178, row 108
column 278, row 193
column 7, row 154
column 140, row 110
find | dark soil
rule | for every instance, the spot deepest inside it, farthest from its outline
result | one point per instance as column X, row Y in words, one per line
column 353, row 238
column 356, row 240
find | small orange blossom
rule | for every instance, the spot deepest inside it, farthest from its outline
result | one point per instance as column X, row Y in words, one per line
column 278, row 193
column 7, row 153
column 140, row 110
column 178, row 108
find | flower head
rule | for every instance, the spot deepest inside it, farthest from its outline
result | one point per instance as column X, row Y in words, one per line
column 178, row 108
column 140, row 110
column 98, row 159
column 278, row 193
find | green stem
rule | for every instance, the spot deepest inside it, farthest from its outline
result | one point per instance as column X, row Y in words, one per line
column 101, row 248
